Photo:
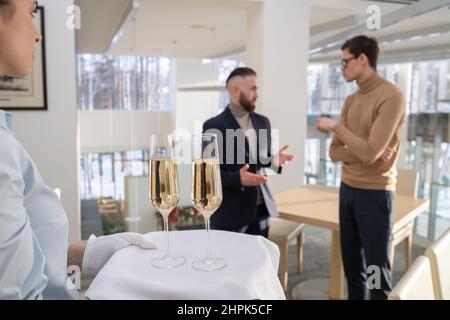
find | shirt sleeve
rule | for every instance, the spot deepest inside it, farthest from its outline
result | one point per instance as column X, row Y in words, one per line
column 21, row 259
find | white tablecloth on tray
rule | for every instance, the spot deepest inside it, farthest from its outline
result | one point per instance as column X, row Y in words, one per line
column 251, row 272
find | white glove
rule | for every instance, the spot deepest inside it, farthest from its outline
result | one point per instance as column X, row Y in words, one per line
column 99, row 250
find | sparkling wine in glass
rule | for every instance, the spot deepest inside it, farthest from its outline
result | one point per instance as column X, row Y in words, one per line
column 164, row 191
column 206, row 192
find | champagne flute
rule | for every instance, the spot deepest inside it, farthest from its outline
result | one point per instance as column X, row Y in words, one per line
column 164, row 191
column 206, row 191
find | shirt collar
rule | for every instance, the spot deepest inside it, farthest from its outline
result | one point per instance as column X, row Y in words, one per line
column 6, row 120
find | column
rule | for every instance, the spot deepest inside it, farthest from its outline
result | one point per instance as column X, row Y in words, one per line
column 277, row 48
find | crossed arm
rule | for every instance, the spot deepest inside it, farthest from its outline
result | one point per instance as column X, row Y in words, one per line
column 348, row 147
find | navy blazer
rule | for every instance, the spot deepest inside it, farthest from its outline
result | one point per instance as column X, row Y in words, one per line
column 238, row 206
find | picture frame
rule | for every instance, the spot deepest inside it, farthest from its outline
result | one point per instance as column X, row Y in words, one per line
column 28, row 93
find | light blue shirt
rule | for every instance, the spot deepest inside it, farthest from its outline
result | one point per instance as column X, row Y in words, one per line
column 33, row 227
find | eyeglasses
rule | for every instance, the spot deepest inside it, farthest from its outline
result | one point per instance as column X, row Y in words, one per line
column 344, row 62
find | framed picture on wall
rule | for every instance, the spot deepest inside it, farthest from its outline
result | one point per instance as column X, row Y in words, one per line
column 29, row 93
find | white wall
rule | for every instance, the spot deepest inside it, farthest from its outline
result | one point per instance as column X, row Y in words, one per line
column 50, row 137
column 192, row 71
column 196, row 106
column 108, row 131
column 193, row 108
column 140, row 214
column 277, row 47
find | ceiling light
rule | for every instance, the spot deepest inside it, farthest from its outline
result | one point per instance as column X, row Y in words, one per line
column 315, row 51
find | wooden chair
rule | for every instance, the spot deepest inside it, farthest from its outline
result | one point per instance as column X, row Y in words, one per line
column 439, row 255
column 416, row 284
column 283, row 232
column 407, row 185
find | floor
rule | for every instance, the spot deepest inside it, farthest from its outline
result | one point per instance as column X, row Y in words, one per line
column 316, row 259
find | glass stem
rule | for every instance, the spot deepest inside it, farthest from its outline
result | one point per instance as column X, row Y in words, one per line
column 166, row 231
column 208, row 240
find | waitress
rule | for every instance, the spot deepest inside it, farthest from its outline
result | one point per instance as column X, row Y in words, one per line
column 34, row 250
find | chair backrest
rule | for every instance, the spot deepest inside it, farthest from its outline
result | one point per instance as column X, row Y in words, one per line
column 416, row 284
column 439, row 255
column 90, row 219
column 408, row 183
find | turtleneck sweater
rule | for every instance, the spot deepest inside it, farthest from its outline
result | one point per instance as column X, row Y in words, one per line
column 245, row 122
column 371, row 121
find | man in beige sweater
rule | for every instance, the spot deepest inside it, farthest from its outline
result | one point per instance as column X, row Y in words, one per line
column 366, row 140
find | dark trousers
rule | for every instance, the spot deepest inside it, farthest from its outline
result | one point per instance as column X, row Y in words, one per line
column 365, row 218
column 259, row 226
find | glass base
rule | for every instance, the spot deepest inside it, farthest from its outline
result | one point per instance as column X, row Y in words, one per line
column 168, row 261
column 209, row 264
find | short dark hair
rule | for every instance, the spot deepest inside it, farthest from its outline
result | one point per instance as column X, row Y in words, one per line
column 4, row 2
column 363, row 44
column 241, row 72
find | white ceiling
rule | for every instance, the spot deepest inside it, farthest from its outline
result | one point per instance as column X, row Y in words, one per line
column 99, row 19
column 173, row 28
column 408, row 30
column 213, row 28
column 329, row 11
column 180, row 28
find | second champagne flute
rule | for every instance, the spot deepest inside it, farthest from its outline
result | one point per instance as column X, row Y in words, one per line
column 164, row 191
column 206, row 191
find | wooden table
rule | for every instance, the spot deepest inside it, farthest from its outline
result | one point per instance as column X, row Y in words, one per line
column 319, row 206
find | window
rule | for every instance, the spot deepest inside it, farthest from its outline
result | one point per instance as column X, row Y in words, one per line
column 103, row 174
column 125, row 83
